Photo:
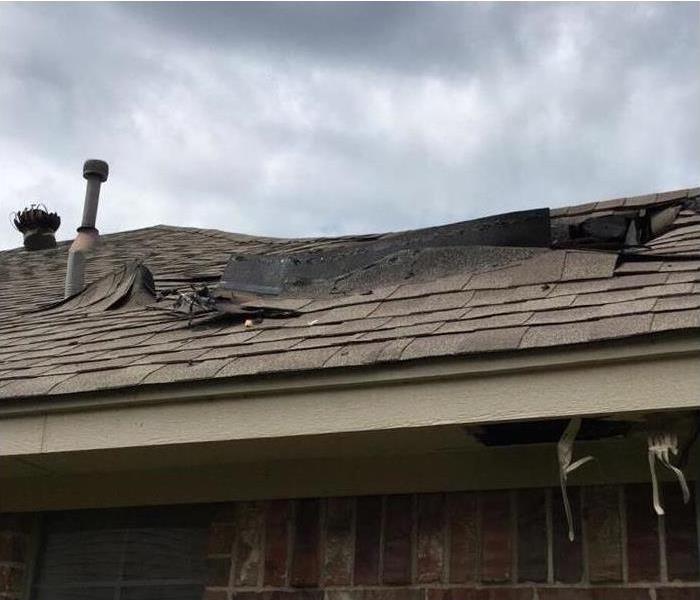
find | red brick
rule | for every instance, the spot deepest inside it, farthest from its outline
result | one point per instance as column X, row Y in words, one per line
column 305, row 559
column 568, row 556
column 277, row 523
column 279, row 595
column 678, row 593
column 458, row 594
column 564, row 594
column 367, row 540
column 430, row 546
column 511, row 594
column 463, row 535
column 13, row 547
column 397, row 539
column 642, row 534
column 249, row 527
column 10, row 578
column 391, row 594
column 338, row 542
column 596, row 593
column 681, row 534
column 532, row 536
column 218, row 572
column 481, row 594
column 603, row 533
column 620, row 594
column 220, row 538
column 496, row 537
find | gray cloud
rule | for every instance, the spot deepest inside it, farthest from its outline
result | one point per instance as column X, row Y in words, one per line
column 305, row 119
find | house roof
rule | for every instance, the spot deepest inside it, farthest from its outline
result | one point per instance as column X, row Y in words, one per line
column 586, row 285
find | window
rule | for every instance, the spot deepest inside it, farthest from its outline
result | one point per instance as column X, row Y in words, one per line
column 122, row 554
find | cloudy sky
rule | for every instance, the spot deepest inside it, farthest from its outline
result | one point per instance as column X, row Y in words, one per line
column 304, row 119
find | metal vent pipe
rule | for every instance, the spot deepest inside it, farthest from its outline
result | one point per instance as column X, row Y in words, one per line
column 95, row 172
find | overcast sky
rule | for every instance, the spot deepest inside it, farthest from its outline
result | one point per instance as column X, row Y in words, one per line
column 305, row 119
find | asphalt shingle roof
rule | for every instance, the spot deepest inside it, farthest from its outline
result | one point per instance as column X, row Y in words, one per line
column 553, row 297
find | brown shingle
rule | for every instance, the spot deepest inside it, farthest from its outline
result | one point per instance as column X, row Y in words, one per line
column 187, row 371
column 299, row 360
column 435, row 302
column 680, row 319
column 677, row 303
column 617, row 327
column 543, row 268
column 494, row 322
column 589, row 265
column 250, row 348
column 473, row 342
column 556, row 335
column 367, row 353
column 105, row 379
column 32, row 386
column 401, row 332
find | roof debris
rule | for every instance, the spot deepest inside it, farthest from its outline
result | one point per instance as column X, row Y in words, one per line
column 565, row 450
column 129, row 286
column 203, row 301
column 663, row 441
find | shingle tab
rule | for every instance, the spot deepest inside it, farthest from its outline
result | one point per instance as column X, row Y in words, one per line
column 105, row 379
column 188, row 371
column 556, row 335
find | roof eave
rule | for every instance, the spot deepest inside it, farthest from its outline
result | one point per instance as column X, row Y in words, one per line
column 630, row 376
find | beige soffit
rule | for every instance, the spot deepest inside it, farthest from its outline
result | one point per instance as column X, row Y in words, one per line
column 631, row 377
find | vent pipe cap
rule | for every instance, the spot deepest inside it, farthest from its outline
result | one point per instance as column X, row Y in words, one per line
column 96, row 168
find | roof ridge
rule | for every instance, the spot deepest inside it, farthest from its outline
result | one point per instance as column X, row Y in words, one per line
column 622, row 203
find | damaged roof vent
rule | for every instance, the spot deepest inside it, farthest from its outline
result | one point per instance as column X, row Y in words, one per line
column 38, row 226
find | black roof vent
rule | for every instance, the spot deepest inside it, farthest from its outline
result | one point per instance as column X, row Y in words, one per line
column 38, row 226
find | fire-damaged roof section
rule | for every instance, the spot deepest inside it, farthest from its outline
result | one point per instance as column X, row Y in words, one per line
column 611, row 270
column 422, row 254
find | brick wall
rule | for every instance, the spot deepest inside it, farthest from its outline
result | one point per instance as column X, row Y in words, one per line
column 14, row 548
column 457, row 546
column 504, row 545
